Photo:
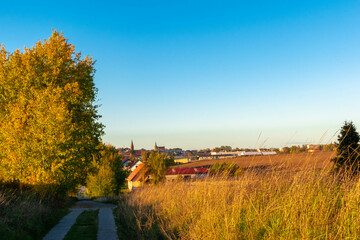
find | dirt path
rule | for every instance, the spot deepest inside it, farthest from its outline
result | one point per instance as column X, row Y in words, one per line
column 106, row 228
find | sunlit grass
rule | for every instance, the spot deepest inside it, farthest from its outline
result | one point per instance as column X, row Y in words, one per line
column 284, row 204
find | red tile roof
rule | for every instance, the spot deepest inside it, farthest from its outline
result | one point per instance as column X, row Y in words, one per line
column 135, row 172
column 187, row 171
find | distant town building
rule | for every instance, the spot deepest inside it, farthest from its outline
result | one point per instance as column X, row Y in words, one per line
column 313, row 148
column 186, row 173
column 135, row 165
column 233, row 154
column 262, row 150
column 181, row 160
column 126, row 162
column 137, row 178
column 158, row 148
column 259, row 152
column 132, row 147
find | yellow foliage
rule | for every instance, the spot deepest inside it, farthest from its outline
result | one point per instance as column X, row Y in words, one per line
column 48, row 120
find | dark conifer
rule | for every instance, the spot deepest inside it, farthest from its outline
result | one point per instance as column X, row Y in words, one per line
column 347, row 151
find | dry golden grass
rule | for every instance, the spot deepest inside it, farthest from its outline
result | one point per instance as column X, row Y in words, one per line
column 293, row 161
column 311, row 203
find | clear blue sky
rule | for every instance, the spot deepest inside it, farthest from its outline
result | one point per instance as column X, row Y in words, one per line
column 196, row 74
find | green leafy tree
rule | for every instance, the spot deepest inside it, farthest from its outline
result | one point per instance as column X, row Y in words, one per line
column 144, row 156
column 102, row 183
column 108, row 175
column 222, row 148
column 226, row 148
column 111, row 157
column 347, row 151
column 217, row 149
column 303, row 148
column 49, row 129
column 157, row 164
column 293, row 149
column 285, row 150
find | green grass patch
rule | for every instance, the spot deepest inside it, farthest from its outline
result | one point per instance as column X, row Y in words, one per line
column 85, row 227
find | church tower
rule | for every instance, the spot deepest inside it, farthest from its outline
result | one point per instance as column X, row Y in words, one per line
column 155, row 147
column 132, row 147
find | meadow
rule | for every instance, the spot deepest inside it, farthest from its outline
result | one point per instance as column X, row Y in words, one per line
column 271, row 162
column 299, row 197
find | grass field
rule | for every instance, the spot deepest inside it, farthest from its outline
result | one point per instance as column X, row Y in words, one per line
column 279, row 161
column 308, row 201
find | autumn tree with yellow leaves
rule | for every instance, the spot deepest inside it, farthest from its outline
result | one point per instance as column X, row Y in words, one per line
column 49, row 129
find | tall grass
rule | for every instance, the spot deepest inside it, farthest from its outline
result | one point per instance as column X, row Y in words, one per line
column 28, row 215
column 284, row 204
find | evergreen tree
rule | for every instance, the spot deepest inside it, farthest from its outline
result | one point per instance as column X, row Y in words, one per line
column 347, row 151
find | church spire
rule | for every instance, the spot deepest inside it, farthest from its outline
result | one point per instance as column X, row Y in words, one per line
column 155, row 147
column 132, row 146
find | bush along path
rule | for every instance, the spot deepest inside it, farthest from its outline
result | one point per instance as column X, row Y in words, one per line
column 106, row 223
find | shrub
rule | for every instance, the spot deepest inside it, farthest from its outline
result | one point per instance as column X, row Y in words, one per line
column 102, row 183
column 225, row 169
column 109, row 175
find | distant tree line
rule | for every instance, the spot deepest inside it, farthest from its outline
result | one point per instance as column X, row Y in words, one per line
column 222, row 149
column 304, row 148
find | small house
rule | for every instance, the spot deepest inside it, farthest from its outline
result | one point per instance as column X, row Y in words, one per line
column 186, row 173
column 135, row 165
column 181, row 160
column 138, row 177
